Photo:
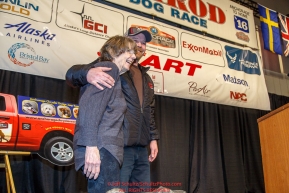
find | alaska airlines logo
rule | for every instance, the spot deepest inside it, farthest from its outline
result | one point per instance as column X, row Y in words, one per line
column 26, row 28
column 24, row 55
column 242, row 60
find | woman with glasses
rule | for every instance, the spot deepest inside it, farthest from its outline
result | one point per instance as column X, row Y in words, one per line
column 98, row 138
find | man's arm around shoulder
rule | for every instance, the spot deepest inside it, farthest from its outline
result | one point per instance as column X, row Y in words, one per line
column 80, row 75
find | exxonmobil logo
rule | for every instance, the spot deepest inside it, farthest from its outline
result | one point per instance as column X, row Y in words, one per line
column 198, row 8
column 238, row 96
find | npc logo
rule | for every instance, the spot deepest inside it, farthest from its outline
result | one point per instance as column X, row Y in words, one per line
column 23, row 54
column 241, row 97
column 242, row 60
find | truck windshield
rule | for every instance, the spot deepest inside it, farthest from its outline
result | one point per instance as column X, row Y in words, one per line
column 2, row 104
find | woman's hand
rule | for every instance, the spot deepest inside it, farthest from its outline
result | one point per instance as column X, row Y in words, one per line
column 92, row 162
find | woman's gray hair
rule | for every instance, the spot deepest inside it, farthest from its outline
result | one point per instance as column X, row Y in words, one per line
column 116, row 46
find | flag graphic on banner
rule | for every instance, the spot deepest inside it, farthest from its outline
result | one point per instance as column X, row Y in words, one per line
column 270, row 29
column 284, row 21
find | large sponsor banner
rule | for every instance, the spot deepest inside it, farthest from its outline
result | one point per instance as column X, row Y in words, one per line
column 47, row 37
column 182, row 64
column 221, row 18
column 206, row 69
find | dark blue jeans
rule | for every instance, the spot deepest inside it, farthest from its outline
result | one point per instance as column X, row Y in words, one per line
column 135, row 171
column 109, row 174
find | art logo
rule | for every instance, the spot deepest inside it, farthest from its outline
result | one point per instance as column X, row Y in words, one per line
column 242, row 60
column 238, row 96
column 24, row 55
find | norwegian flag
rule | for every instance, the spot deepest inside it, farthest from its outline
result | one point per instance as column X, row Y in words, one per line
column 284, row 21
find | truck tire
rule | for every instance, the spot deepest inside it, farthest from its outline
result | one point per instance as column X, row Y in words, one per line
column 59, row 151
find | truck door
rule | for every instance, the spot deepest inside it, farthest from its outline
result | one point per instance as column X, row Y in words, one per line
column 8, row 129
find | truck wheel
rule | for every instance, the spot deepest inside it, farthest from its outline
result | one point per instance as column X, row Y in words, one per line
column 59, row 151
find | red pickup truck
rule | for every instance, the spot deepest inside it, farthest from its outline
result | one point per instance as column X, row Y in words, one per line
column 38, row 125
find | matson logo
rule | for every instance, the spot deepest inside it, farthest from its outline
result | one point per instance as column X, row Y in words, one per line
column 24, row 55
column 235, row 80
column 238, row 96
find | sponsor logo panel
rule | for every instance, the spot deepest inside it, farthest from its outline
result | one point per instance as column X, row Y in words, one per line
column 24, row 55
column 35, row 10
column 234, row 80
column 158, row 80
column 162, row 39
column 89, row 19
column 28, row 32
column 165, row 39
column 196, row 89
column 241, row 24
column 242, row 36
column 202, row 50
column 238, row 96
column 242, row 60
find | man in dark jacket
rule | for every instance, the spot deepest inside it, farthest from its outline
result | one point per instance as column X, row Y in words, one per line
column 139, row 124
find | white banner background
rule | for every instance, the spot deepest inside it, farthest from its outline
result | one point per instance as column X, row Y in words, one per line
column 183, row 64
column 221, row 18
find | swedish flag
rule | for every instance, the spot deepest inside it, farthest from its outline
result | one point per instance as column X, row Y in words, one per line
column 270, row 30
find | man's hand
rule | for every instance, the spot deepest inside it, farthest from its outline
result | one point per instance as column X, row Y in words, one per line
column 97, row 76
column 92, row 162
column 154, row 150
